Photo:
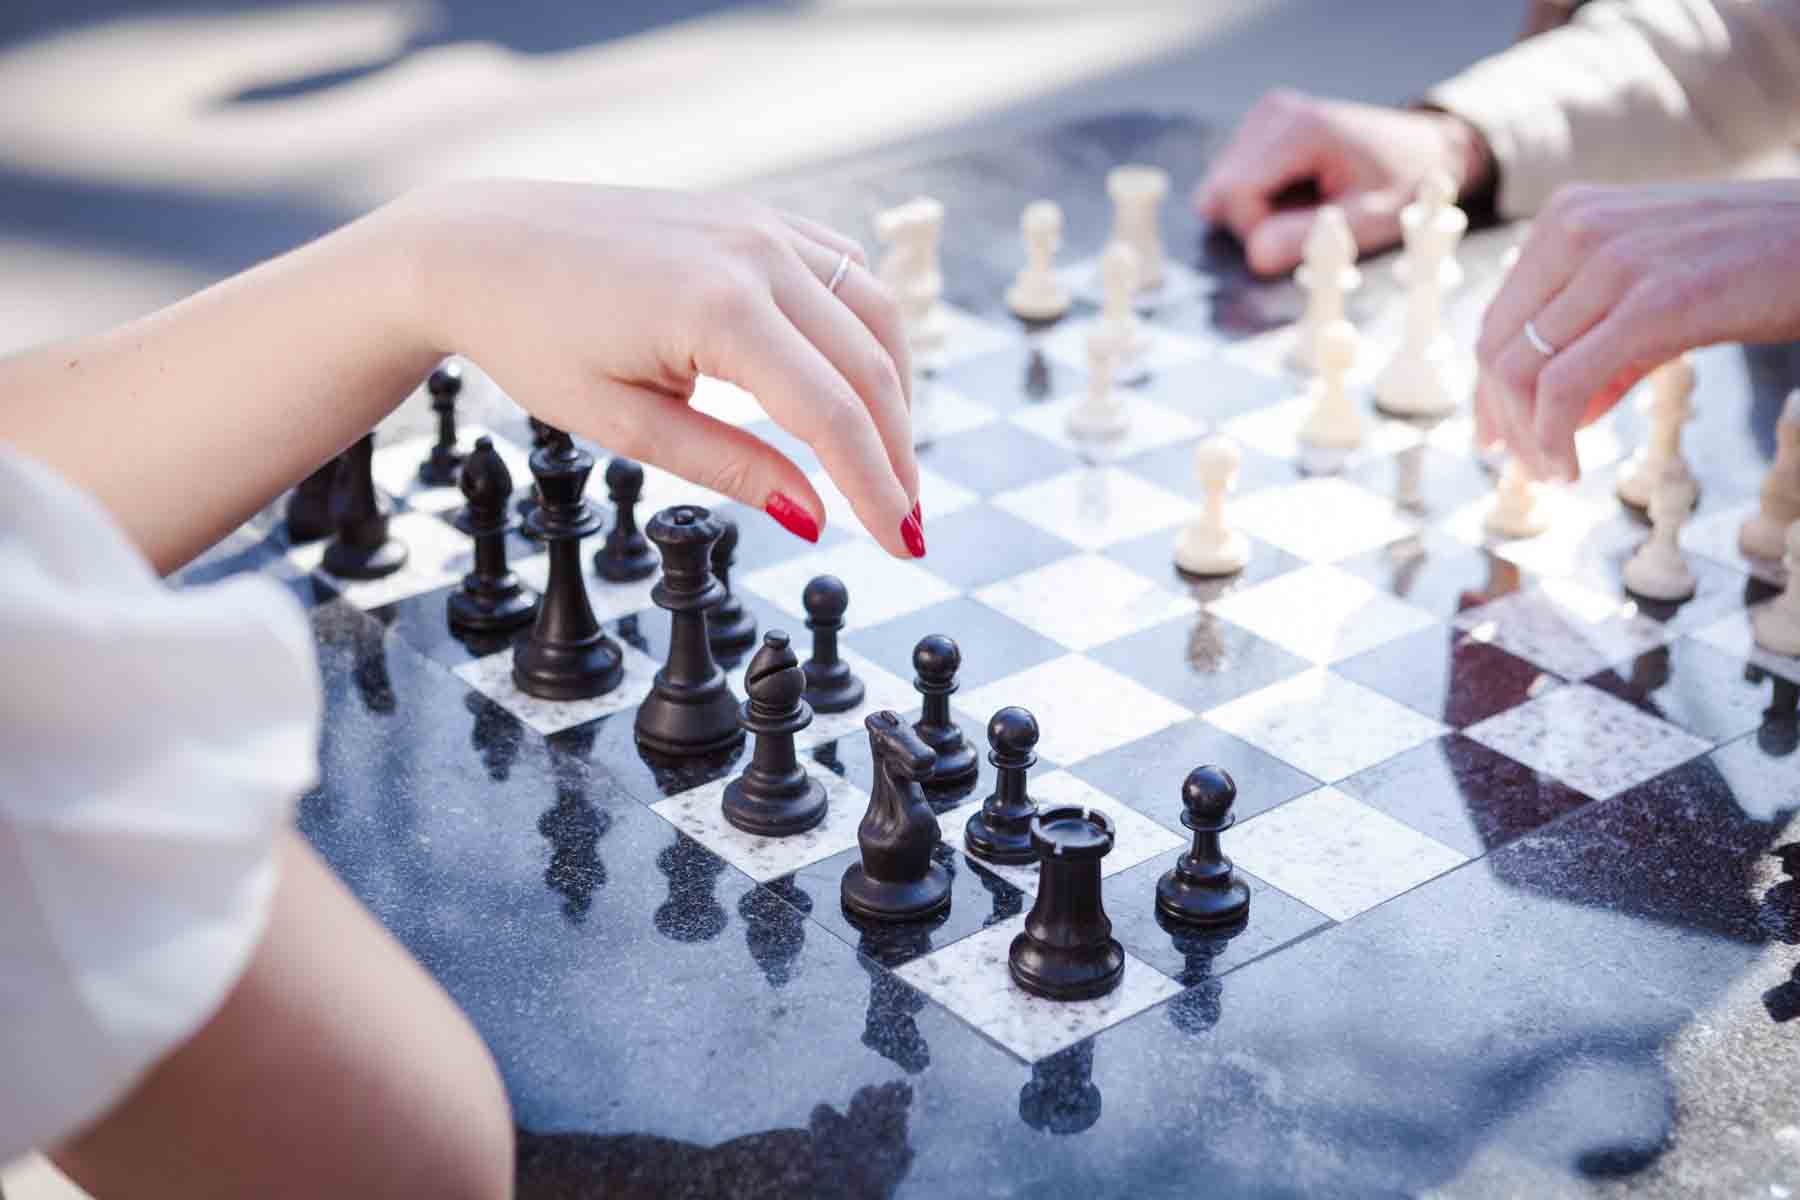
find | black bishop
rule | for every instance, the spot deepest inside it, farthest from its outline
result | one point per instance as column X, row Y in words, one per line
column 774, row 797
column 491, row 598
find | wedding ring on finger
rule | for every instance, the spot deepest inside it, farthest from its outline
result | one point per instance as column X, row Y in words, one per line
column 1537, row 341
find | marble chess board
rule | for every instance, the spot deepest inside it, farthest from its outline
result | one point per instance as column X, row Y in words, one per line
column 1496, row 815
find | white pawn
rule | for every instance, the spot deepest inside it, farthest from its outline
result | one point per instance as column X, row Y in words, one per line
column 1207, row 546
column 1764, row 534
column 1657, row 571
column 1101, row 413
column 1777, row 623
column 911, row 268
column 1119, row 326
column 1036, row 294
column 1327, row 274
column 1671, row 406
column 1137, row 194
column 1333, row 423
column 1516, row 512
column 1421, row 378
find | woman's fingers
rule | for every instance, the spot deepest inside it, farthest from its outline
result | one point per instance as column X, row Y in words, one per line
column 759, row 348
column 859, row 330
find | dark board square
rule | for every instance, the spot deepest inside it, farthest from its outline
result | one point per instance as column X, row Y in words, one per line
column 1199, row 661
column 979, row 545
column 1153, row 557
column 1193, row 957
column 1147, row 774
column 996, row 458
column 1439, row 574
column 993, row 645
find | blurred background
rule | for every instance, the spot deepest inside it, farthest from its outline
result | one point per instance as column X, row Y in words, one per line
column 146, row 149
column 149, row 149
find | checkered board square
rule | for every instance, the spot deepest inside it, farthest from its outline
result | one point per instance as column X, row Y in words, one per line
column 1377, row 631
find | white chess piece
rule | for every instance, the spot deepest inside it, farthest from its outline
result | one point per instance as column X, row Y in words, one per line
column 1207, row 546
column 1327, row 274
column 1119, row 326
column 1764, row 534
column 1036, row 293
column 1101, row 412
column 1516, row 512
column 1333, row 421
column 1137, row 194
column 1424, row 377
column 1777, row 623
column 1657, row 571
column 1670, row 406
column 911, row 268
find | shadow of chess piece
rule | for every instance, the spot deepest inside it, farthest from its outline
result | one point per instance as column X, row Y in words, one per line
column 1198, row 1008
column 774, row 797
column 1782, row 1001
column 831, row 687
column 691, row 913
column 1009, row 901
column 936, row 659
column 625, row 556
column 1066, row 950
column 373, row 682
column 574, row 828
column 567, row 656
column 491, row 599
column 360, row 547
column 896, row 879
column 496, row 736
column 445, row 460
column 1037, row 377
column 690, row 712
column 890, row 1027
column 1778, row 915
column 1201, row 888
column 775, row 927
column 1061, row 1096
column 729, row 627
column 1001, row 831
column 309, row 506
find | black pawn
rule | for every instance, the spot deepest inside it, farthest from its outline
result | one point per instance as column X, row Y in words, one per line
column 567, row 656
column 360, row 547
column 1067, row 950
column 831, row 687
column 774, row 797
column 625, row 556
column 936, row 660
column 1201, row 889
column 690, row 711
column 896, row 879
column 1001, row 831
column 728, row 627
column 445, row 460
column 491, row 598
column 309, row 507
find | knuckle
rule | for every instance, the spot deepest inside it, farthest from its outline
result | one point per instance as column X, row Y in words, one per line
column 730, row 476
column 729, row 299
column 1617, row 265
column 1516, row 375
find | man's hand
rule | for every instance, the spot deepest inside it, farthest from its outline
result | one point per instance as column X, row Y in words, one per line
column 1365, row 159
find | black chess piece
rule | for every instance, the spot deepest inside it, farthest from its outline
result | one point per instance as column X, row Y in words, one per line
column 1001, row 831
column 567, row 656
column 936, row 659
column 831, row 687
column 690, row 711
column 360, row 547
column 625, row 556
column 729, row 627
column 309, row 506
column 1201, row 889
column 1067, row 950
column 896, row 879
column 440, row 468
column 774, row 797
column 491, row 598
column 541, row 432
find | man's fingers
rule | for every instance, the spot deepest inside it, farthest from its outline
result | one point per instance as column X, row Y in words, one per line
column 1587, row 379
column 1278, row 243
column 827, row 237
column 1266, row 159
column 859, row 331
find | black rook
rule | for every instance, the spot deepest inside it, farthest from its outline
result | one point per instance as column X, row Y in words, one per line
column 1067, row 950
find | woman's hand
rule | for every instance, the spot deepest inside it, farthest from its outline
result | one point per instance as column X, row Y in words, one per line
column 1365, row 159
column 597, row 308
column 1617, row 281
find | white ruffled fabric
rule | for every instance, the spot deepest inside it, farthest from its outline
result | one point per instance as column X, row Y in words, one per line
column 152, row 745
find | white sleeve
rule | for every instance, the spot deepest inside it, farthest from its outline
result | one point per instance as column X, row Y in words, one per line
column 1635, row 91
column 152, row 744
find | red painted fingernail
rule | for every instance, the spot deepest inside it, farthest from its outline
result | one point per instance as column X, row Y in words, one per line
column 913, row 536
column 791, row 517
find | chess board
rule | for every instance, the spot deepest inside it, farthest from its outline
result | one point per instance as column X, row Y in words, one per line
column 1510, row 833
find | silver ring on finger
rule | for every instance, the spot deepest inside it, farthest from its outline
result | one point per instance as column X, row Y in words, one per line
column 837, row 276
column 1537, row 341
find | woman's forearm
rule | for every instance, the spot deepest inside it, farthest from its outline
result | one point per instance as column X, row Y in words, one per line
column 186, row 422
